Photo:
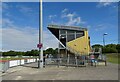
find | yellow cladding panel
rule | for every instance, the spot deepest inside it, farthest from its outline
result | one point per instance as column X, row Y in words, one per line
column 81, row 45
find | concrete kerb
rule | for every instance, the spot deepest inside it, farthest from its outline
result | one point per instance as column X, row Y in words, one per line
column 9, row 71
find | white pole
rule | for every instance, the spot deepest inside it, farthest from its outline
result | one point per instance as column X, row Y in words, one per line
column 41, row 36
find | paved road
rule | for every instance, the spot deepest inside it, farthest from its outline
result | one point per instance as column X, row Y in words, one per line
column 26, row 72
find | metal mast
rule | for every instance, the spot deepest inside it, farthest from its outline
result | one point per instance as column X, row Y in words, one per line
column 40, row 65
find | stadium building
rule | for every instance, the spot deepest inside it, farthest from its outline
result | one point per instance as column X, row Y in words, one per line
column 74, row 44
column 72, row 40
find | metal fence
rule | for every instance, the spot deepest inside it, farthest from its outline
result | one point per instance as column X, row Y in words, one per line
column 75, row 61
column 4, row 66
column 65, row 62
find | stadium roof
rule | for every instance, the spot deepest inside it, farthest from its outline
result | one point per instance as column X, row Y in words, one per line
column 67, row 27
column 55, row 29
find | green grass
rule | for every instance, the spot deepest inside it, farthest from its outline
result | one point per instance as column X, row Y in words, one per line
column 113, row 58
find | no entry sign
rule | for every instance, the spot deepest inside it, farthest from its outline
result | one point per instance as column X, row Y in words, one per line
column 39, row 45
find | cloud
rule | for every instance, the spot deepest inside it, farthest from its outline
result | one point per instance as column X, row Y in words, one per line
column 64, row 10
column 0, row 39
column 24, row 38
column 51, row 16
column 67, row 18
column 50, row 41
column 0, row 8
column 100, row 27
column 18, row 38
column 73, row 18
column 104, row 3
column 5, row 6
column 6, row 22
column 25, row 9
column 0, row 21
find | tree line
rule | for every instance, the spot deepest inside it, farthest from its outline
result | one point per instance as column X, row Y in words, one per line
column 33, row 52
column 110, row 48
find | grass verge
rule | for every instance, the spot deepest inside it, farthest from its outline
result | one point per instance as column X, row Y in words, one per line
column 113, row 58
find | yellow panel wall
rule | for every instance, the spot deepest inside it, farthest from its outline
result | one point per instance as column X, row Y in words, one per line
column 80, row 45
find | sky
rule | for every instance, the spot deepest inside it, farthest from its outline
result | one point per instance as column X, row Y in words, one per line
column 20, row 22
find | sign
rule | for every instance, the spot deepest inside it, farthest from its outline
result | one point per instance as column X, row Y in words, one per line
column 39, row 45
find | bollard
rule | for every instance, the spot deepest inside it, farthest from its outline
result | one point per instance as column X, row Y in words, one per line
column 105, row 63
column 38, row 64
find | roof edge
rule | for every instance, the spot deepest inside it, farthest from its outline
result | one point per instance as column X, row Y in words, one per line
column 66, row 27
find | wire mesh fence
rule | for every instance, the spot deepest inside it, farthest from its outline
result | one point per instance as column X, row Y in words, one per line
column 66, row 61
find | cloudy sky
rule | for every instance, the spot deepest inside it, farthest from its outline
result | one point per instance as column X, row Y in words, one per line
column 20, row 22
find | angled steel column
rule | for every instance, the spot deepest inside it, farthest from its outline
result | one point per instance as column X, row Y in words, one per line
column 67, row 54
column 58, row 56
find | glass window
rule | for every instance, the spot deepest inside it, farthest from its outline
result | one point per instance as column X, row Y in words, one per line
column 70, row 31
column 62, row 31
column 62, row 36
column 79, row 31
column 79, row 35
column 70, row 37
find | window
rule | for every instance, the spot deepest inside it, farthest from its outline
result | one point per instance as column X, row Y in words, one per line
column 70, row 37
column 70, row 31
column 62, row 31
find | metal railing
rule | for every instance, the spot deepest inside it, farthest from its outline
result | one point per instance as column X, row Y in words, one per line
column 64, row 62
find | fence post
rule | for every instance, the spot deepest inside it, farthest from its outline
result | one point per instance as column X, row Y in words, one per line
column 76, row 61
column 68, row 60
column 105, row 63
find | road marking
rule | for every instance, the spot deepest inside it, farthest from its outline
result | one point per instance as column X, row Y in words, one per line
column 18, row 77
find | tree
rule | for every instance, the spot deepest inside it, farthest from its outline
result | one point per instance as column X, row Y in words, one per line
column 51, row 51
column 55, row 52
column 9, row 53
column 118, row 48
column 32, row 53
column 97, row 46
column 110, row 48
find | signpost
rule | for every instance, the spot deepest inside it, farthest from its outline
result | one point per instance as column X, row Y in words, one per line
column 39, row 45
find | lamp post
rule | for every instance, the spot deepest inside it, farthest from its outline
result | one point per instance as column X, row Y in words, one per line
column 104, row 38
column 104, row 46
column 40, row 63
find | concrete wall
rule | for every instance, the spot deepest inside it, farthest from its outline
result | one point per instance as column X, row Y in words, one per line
column 7, row 64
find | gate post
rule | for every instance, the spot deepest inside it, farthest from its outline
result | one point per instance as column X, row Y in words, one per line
column 68, row 60
column 76, row 61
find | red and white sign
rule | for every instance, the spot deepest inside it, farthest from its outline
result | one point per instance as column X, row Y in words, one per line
column 92, row 57
column 39, row 45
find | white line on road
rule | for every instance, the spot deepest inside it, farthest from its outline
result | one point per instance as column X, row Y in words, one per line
column 18, row 77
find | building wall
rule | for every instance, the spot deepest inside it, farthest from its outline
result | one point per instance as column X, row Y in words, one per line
column 80, row 45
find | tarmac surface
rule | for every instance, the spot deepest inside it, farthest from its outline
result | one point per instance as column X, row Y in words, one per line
column 52, row 72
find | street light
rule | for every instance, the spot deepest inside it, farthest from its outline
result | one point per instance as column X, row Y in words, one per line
column 104, row 46
column 40, row 63
column 104, row 38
